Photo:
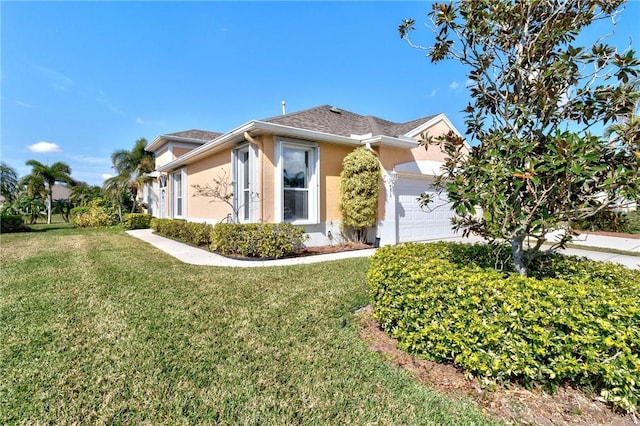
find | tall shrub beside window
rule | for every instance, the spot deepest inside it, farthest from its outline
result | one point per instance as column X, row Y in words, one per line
column 359, row 186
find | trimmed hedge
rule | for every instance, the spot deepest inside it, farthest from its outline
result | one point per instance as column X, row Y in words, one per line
column 576, row 321
column 136, row 220
column 262, row 240
column 12, row 223
column 190, row 232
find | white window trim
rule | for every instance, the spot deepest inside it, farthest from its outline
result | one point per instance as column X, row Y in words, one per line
column 254, row 184
column 183, row 184
column 314, row 172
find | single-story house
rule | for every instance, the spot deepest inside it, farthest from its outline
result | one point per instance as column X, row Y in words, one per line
column 287, row 169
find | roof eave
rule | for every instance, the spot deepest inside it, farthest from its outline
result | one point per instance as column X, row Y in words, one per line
column 391, row 141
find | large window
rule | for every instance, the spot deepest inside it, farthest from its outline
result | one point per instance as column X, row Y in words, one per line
column 177, row 191
column 246, row 183
column 297, row 169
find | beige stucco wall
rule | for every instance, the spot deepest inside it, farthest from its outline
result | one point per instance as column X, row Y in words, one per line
column 202, row 173
column 163, row 156
column 266, row 169
column 179, row 152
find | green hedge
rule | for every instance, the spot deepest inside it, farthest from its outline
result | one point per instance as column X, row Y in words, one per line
column 94, row 217
column 577, row 321
column 190, row 232
column 12, row 223
column 262, row 240
column 136, row 220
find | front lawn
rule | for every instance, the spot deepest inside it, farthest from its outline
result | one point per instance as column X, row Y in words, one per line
column 98, row 327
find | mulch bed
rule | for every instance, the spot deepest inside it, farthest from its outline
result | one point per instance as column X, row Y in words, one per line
column 513, row 404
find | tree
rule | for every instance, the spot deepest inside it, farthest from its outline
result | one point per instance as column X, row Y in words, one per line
column 81, row 194
column 8, row 182
column 57, row 172
column 359, row 182
column 132, row 167
column 116, row 188
column 627, row 130
column 535, row 97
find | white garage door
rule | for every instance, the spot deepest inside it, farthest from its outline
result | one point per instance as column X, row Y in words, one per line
column 419, row 224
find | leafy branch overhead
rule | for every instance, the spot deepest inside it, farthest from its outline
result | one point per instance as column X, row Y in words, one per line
column 537, row 97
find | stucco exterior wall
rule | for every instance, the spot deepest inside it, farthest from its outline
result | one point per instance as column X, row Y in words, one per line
column 331, row 157
column 266, row 170
column 179, row 152
column 163, row 156
column 202, row 173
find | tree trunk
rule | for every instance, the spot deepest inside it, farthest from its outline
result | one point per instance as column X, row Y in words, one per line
column 50, row 204
column 517, row 253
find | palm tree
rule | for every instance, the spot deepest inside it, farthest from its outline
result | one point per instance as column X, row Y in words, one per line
column 82, row 193
column 132, row 167
column 8, row 182
column 115, row 187
column 57, row 172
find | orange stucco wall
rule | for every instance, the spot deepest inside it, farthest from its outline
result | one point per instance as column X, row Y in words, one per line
column 203, row 172
column 331, row 157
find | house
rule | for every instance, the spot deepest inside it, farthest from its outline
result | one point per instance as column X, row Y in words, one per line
column 287, row 168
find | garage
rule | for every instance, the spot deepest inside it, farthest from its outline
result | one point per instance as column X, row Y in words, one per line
column 420, row 224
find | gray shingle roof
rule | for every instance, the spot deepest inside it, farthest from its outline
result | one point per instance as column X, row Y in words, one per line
column 328, row 119
column 202, row 135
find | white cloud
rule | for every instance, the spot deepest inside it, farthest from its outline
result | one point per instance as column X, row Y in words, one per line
column 433, row 92
column 44, row 147
column 140, row 121
column 454, row 85
column 106, row 176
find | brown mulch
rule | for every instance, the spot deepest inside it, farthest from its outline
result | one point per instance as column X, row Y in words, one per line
column 513, row 404
column 338, row 248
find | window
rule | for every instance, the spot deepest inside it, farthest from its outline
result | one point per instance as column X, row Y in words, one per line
column 245, row 180
column 297, row 175
column 177, row 191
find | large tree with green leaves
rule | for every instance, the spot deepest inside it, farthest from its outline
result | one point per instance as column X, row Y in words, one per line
column 57, row 172
column 535, row 96
column 132, row 167
column 8, row 182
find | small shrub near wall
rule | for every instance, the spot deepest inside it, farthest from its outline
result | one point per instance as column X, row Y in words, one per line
column 136, row 220
column 261, row 240
column 190, row 232
column 94, row 217
column 576, row 321
column 12, row 223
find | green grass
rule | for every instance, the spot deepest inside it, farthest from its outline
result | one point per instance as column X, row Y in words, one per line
column 97, row 327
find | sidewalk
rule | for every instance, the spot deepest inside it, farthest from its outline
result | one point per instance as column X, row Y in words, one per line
column 195, row 256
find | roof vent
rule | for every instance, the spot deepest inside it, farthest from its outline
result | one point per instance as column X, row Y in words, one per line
column 335, row 110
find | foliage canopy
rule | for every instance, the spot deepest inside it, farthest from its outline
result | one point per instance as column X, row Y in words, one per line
column 536, row 97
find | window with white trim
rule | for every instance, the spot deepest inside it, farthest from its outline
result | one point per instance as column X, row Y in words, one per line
column 177, row 194
column 297, row 182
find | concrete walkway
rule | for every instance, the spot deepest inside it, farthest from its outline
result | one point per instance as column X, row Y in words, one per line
column 195, row 256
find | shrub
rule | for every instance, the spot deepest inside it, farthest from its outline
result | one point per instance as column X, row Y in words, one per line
column 577, row 321
column 77, row 211
column 190, row 232
column 263, row 240
column 136, row 220
column 359, row 181
column 92, row 218
column 12, row 223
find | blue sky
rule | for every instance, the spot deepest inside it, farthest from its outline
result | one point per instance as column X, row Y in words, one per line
column 80, row 80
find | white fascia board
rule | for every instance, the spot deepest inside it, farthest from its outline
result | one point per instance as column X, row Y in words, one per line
column 165, row 139
column 236, row 135
column 296, row 132
column 435, row 120
column 256, row 128
column 393, row 142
